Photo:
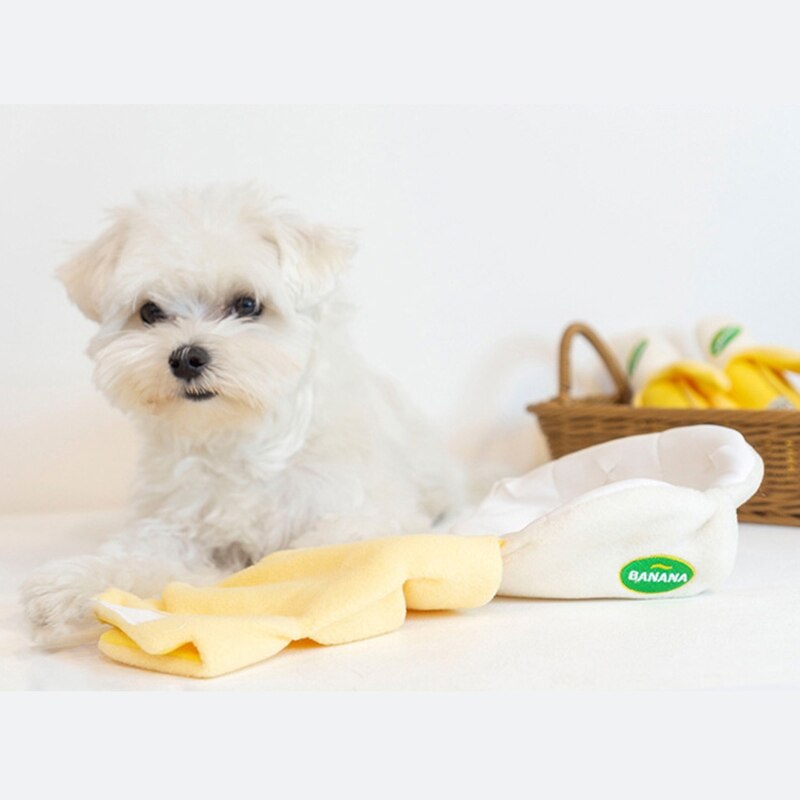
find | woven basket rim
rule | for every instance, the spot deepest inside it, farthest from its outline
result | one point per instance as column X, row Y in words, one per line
column 603, row 405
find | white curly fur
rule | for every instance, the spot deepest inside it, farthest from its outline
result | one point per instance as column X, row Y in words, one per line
column 301, row 444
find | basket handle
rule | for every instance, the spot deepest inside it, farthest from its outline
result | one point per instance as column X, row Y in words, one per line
column 565, row 368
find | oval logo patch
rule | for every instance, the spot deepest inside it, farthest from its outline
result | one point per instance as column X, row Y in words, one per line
column 656, row 574
column 636, row 355
column 722, row 338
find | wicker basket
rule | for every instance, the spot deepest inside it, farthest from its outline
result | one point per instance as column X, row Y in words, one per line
column 574, row 423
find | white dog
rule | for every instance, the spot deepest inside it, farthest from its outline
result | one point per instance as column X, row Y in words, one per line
column 223, row 335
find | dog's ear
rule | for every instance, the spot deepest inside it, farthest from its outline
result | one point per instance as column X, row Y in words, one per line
column 86, row 274
column 312, row 256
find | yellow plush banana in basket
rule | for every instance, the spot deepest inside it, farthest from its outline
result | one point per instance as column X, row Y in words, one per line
column 756, row 372
column 662, row 378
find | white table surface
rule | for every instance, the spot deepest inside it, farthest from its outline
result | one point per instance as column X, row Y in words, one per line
column 746, row 634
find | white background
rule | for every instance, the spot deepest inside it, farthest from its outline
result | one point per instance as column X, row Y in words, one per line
column 484, row 230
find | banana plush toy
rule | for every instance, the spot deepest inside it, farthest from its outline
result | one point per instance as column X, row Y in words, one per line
column 756, row 372
column 661, row 377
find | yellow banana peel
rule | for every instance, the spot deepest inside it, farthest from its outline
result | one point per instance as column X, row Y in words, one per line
column 758, row 380
column 686, row 384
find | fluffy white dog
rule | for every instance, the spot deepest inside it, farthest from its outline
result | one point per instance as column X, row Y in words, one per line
column 223, row 335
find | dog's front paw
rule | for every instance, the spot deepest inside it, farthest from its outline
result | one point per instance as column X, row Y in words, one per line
column 57, row 599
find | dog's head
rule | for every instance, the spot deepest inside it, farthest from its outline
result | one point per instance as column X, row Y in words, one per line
column 208, row 303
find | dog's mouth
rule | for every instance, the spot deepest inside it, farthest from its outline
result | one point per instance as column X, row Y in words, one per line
column 198, row 396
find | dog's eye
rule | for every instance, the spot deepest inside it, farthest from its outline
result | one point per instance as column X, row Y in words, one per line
column 246, row 306
column 151, row 313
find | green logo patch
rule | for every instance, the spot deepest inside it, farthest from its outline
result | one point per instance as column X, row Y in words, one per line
column 636, row 355
column 722, row 338
column 656, row 574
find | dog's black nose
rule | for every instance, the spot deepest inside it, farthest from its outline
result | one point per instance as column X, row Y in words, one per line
column 188, row 362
